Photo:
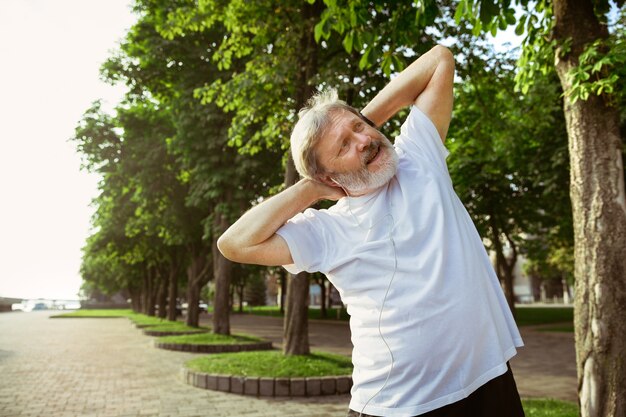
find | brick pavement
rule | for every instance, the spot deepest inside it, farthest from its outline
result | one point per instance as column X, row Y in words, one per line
column 63, row 368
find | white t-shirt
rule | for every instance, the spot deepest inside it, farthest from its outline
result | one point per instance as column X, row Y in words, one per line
column 445, row 318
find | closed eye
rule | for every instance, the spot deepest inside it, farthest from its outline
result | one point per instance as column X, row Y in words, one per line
column 344, row 147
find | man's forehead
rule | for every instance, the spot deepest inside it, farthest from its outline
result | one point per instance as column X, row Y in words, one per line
column 332, row 134
column 340, row 118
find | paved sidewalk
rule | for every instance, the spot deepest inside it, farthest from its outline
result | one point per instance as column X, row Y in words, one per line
column 62, row 367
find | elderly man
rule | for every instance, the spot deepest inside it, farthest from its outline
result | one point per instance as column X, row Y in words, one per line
column 431, row 329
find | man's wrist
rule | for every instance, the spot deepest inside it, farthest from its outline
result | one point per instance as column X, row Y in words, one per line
column 367, row 120
column 310, row 190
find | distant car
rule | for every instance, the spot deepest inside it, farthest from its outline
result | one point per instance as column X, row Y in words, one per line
column 203, row 307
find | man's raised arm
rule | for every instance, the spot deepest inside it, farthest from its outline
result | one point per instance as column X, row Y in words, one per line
column 253, row 240
column 427, row 83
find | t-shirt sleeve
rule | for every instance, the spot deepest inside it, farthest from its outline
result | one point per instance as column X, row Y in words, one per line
column 304, row 234
column 419, row 138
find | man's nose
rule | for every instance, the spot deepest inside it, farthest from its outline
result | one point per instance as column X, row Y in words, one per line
column 363, row 141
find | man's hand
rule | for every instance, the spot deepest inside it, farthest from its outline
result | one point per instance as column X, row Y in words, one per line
column 327, row 192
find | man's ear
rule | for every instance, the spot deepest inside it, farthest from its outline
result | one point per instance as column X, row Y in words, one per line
column 328, row 180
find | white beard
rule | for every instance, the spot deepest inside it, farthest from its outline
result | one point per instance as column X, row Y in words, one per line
column 363, row 181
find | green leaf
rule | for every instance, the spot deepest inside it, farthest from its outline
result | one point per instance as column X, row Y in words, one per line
column 386, row 65
column 488, row 10
column 398, row 63
column 460, row 11
column 510, row 16
column 502, row 23
column 521, row 26
column 348, row 41
column 477, row 28
column 319, row 30
column 364, row 61
column 353, row 17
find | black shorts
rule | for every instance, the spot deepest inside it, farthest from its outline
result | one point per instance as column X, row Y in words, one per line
column 497, row 398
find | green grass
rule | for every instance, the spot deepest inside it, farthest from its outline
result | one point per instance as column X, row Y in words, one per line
column 142, row 319
column 529, row 316
column 210, row 339
column 171, row 326
column 113, row 313
column 549, row 408
column 272, row 364
column 314, row 313
column 153, row 323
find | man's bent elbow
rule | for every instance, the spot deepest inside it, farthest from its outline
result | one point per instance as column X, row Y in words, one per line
column 226, row 247
column 444, row 52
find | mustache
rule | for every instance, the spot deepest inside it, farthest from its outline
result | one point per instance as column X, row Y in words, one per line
column 372, row 149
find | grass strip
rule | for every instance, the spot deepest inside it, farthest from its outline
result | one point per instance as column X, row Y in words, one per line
column 210, row 339
column 272, row 364
column 112, row 313
column 542, row 407
column 529, row 316
column 313, row 313
column 175, row 327
column 142, row 319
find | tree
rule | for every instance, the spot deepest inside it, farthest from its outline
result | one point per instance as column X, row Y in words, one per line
column 279, row 76
column 211, row 181
column 587, row 58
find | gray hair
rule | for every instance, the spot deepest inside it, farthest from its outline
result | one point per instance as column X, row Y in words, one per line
column 313, row 121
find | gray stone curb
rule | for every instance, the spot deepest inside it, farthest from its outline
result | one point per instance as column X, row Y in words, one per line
column 194, row 348
column 149, row 332
column 269, row 387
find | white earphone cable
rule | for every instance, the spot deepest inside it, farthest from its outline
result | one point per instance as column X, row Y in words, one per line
column 380, row 315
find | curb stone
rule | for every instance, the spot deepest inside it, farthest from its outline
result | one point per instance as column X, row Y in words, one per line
column 269, row 387
column 148, row 332
column 215, row 348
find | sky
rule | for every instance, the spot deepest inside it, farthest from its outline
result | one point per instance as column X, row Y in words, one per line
column 51, row 52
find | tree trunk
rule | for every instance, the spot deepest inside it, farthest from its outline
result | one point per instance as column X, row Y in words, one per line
column 222, row 271
column 240, row 289
column 152, row 292
column 599, row 210
column 322, row 286
column 147, row 306
column 296, row 327
column 193, row 298
column 504, row 266
column 135, row 299
column 162, row 297
column 196, row 274
column 296, row 322
column 296, row 332
column 172, row 292
column 283, row 290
